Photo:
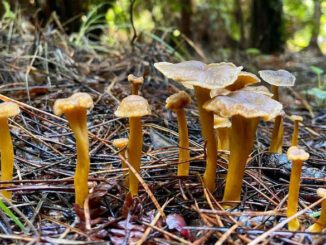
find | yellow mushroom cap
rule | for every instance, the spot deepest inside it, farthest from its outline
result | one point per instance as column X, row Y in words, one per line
column 278, row 78
column 8, row 109
column 245, row 103
column 75, row 101
column 137, row 80
column 321, row 192
column 195, row 73
column 296, row 118
column 244, row 79
column 221, row 122
column 120, row 143
column 178, row 100
column 295, row 153
column 133, row 106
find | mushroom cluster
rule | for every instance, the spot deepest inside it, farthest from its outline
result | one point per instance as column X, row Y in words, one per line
column 229, row 108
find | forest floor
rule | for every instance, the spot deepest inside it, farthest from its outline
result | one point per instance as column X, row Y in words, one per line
column 37, row 69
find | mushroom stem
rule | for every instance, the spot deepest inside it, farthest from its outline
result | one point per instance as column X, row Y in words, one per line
column 295, row 135
column 78, row 123
column 275, row 92
column 134, row 150
column 184, row 153
column 123, row 156
column 223, row 142
column 135, row 88
column 241, row 142
column 293, row 197
column 206, row 119
column 321, row 222
column 7, row 155
column 277, row 136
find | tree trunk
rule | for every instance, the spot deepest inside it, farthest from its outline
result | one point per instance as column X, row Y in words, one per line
column 313, row 43
column 186, row 12
column 239, row 19
column 267, row 26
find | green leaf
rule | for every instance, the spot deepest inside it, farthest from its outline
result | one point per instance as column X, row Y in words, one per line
column 318, row 93
column 253, row 51
column 11, row 215
column 317, row 70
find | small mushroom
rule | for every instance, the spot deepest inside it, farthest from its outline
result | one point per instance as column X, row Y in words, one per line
column 134, row 107
column 135, row 83
column 245, row 108
column 297, row 156
column 296, row 119
column 203, row 78
column 176, row 103
column 222, row 128
column 279, row 78
column 121, row 145
column 75, row 109
column 7, row 109
column 320, row 224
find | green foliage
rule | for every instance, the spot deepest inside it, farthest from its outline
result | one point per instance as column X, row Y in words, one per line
column 253, row 51
column 9, row 14
column 11, row 215
column 318, row 71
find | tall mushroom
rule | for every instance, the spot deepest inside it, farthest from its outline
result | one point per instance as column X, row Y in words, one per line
column 245, row 108
column 134, row 107
column 203, row 78
column 75, row 109
column 121, row 145
column 176, row 103
column 295, row 136
column 222, row 127
column 321, row 222
column 135, row 83
column 7, row 109
column 279, row 78
column 297, row 156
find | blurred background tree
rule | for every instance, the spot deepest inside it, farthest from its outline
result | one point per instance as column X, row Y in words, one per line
column 210, row 26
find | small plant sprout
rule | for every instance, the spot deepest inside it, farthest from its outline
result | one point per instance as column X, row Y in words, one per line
column 203, row 78
column 136, row 82
column 318, row 71
column 279, row 78
column 321, row 222
column 222, row 128
column 295, row 135
column 7, row 109
column 134, row 107
column 297, row 156
column 75, row 109
column 121, row 145
column 245, row 109
column 176, row 103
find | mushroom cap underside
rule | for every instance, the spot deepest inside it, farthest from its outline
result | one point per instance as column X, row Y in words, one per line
column 74, row 102
column 195, row 73
column 133, row 106
column 245, row 103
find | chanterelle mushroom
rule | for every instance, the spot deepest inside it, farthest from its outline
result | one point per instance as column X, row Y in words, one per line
column 134, row 107
column 222, row 128
column 245, row 108
column 321, row 222
column 177, row 102
column 279, row 78
column 75, row 109
column 7, row 109
column 135, row 83
column 297, row 156
column 121, row 145
column 203, row 78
